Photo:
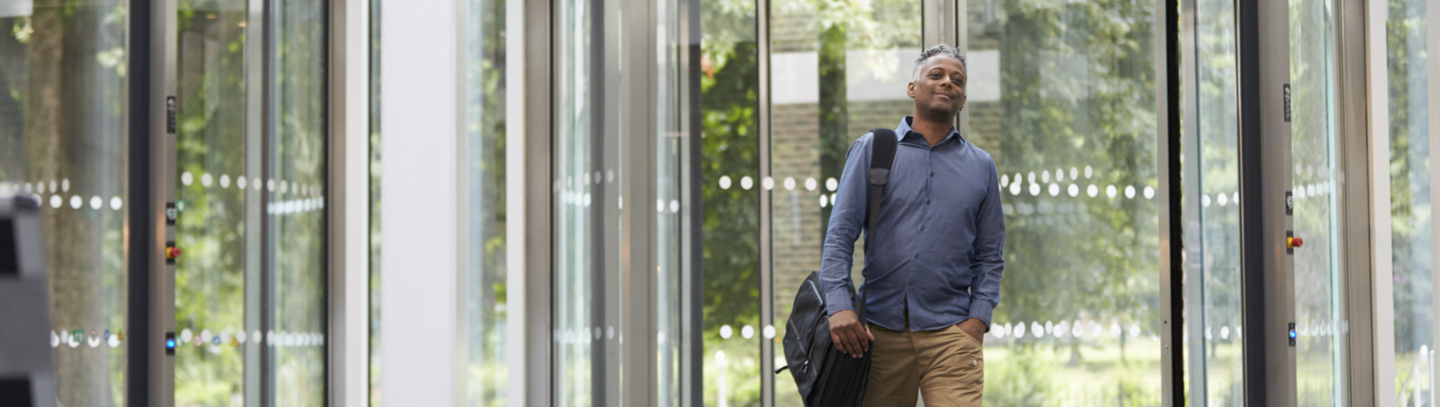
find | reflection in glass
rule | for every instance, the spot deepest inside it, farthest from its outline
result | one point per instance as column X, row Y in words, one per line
column 63, row 142
column 1061, row 95
column 482, row 291
column 294, row 214
column 1410, row 197
column 586, row 209
column 1320, row 349
column 1212, row 255
column 212, row 190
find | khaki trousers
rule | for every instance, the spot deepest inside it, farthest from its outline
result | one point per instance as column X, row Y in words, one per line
column 946, row 366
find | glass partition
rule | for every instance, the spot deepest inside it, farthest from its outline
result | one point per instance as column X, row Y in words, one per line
column 295, row 228
column 1061, row 95
column 215, row 186
column 1213, row 313
column 1320, row 351
column 63, row 143
column 1410, row 199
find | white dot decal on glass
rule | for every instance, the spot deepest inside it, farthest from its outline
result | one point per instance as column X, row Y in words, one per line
column 284, row 186
column 674, row 206
column 1054, row 189
column 1059, row 175
column 659, row 206
column 1088, row 172
column 1225, row 332
column 115, row 203
column 789, row 184
column 29, row 189
column 65, row 185
column 1020, row 330
column 1044, row 177
column 724, row 182
column 609, row 330
column 725, row 332
column 1032, row 177
column 240, row 182
column 1035, row 189
column 747, row 332
column 1015, row 189
column 811, row 184
column 767, row 183
column 1092, row 190
column 1115, row 330
column 224, row 181
column 824, row 200
column 186, row 178
column 746, row 182
column 1004, row 180
column 1310, row 190
column 619, row 202
column 55, row 201
column 53, row 187
column 597, row 177
column 240, row 337
column 1110, row 191
column 1074, row 190
column 833, row 200
column 1222, row 199
column 1205, row 201
column 1074, row 174
column 76, row 202
column 96, row 202
column 270, row 185
column 185, row 335
column 1149, row 193
column 831, row 184
column 1235, row 197
column 1062, row 329
column 587, row 178
column 1129, row 191
column 999, row 332
column 1135, row 331
column 609, row 175
column 587, row 199
column 769, row 332
column 1037, row 329
column 205, row 180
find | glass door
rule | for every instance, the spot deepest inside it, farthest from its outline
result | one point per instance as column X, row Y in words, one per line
column 1320, row 326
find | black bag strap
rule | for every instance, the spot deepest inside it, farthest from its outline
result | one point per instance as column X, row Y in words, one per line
column 882, row 155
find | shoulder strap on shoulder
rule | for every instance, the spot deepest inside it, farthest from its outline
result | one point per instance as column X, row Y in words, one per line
column 882, row 156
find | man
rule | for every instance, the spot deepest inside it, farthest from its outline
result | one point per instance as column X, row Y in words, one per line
column 933, row 276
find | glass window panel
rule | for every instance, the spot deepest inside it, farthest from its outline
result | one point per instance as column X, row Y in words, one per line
column 295, row 222
column 483, row 285
column 839, row 70
column 1212, row 257
column 1320, row 349
column 63, row 143
column 1061, row 95
column 1410, row 194
column 214, row 222
column 730, row 168
column 374, row 196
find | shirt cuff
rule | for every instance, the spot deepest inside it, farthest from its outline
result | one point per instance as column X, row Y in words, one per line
column 838, row 300
column 982, row 310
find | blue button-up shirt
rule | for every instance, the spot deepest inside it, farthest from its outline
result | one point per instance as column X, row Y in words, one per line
column 938, row 241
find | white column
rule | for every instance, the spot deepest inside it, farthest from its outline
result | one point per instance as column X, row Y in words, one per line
column 1382, row 300
column 419, row 128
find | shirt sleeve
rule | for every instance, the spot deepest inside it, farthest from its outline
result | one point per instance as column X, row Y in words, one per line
column 989, row 261
column 847, row 217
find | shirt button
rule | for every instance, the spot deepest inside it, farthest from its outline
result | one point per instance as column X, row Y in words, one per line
column 917, row 255
column 932, row 173
column 922, row 228
column 927, row 201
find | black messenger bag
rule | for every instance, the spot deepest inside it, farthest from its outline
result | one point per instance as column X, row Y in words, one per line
column 826, row 376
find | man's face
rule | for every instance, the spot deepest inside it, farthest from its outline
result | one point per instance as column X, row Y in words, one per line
column 941, row 87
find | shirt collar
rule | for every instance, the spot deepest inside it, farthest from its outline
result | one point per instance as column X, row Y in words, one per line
column 904, row 131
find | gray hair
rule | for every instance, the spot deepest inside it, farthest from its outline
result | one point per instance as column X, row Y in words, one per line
column 939, row 50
